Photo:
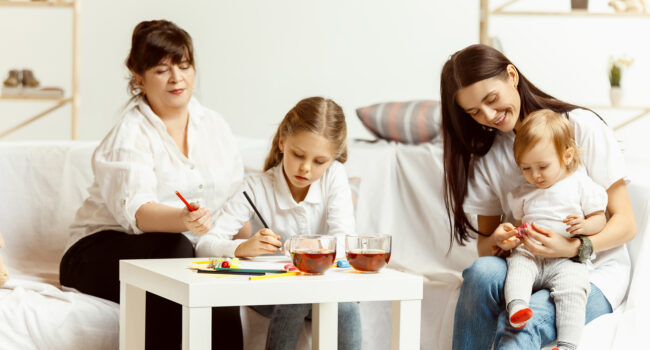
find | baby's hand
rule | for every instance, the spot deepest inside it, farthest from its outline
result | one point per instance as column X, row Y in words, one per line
column 505, row 237
column 576, row 224
column 197, row 221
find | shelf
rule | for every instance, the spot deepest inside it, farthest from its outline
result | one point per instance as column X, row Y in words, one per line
column 643, row 111
column 501, row 10
column 36, row 3
column 573, row 13
column 73, row 99
column 635, row 108
column 29, row 98
column 60, row 102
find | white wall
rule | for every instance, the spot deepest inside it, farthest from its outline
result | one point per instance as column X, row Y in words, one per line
column 255, row 58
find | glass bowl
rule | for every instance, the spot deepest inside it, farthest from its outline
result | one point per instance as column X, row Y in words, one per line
column 313, row 254
column 368, row 253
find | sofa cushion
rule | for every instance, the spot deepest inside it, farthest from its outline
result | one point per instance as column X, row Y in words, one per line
column 410, row 122
column 43, row 184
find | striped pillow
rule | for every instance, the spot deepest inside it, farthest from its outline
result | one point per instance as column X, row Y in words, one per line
column 407, row 122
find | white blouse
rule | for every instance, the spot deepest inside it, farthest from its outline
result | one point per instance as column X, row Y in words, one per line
column 327, row 209
column 576, row 194
column 138, row 162
column 496, row 174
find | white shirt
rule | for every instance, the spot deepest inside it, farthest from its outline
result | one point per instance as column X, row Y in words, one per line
column 576, row 194
column 326, row 210
column 138, row 162
column 496, row 174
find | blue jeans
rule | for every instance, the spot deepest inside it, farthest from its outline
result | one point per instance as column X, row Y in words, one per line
column 287, row 321
column 482, row 320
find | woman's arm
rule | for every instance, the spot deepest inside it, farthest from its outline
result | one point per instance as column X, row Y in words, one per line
column 495, row 234
column 620, row 229
column 157, row 217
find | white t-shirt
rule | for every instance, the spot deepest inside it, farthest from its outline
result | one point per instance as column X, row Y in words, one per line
column 576, row 194
column 138, row 162
column 326, row 210
column 496, row 174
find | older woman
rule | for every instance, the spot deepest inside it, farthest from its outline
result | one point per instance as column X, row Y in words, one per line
column 165, row 141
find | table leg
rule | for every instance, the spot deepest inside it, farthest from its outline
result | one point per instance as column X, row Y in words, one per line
column 406, row 325
column 197, row 328
column 324, row 326
column 132, row 315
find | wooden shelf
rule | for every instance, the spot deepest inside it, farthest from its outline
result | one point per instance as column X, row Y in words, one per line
column 73, row 99
column 36, row 3
column 30, row 98
column 643, row 111
column 573, row 13
column 633, row 108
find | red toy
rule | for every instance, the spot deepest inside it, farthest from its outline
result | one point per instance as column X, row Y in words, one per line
column 521, row 230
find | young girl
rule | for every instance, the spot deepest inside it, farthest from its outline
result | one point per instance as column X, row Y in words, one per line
column 560, row 197
column 303, row 191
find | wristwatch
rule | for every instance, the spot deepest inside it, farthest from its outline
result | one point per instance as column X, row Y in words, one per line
column 585, row 251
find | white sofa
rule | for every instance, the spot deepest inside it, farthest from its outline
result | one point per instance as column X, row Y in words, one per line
column 400, row 193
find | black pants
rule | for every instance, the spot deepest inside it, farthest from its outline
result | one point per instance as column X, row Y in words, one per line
column 92, row 266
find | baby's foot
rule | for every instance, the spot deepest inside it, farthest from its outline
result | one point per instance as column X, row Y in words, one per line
column 562, row 345
column 519, row 313
column 519, row 319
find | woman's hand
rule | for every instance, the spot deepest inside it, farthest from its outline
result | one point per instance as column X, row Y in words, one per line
column 263, row 242
column 551, row 244
column 197, row 221
column 505, row 237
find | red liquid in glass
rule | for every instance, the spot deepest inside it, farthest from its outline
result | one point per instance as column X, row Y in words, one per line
column 368, row 259
column 313, row 260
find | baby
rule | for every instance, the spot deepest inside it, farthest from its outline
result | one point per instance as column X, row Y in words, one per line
column 561, row 197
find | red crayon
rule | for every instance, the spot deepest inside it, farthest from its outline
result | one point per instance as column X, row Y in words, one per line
column 189, row 207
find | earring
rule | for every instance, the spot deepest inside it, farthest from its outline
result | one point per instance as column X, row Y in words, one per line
column 486, row 128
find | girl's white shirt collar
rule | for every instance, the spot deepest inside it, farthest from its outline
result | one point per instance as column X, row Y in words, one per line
column 285, row 198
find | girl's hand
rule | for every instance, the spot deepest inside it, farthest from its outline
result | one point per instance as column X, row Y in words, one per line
column 197, row 221
column 505, row 237
column 551, row 244
column 576, row 224
column 263, row 242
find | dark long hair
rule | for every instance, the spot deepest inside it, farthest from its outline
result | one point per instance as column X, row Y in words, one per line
column 153, row 42
column 319, row 115
column 464, row 139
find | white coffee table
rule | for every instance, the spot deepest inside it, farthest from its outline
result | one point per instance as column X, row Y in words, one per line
column 198, row 293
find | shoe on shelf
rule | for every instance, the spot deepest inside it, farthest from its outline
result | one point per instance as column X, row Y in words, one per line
column 13, row 80
column 28, row 79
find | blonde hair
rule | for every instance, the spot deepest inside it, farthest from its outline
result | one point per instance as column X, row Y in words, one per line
column 544, row 124
column 314, row 114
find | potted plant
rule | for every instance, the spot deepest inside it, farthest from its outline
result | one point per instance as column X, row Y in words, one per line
column 616, row 66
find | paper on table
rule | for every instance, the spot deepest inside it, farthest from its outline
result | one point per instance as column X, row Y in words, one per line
column 259, row 264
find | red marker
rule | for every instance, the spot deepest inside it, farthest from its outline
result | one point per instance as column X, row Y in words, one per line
column 189, row 207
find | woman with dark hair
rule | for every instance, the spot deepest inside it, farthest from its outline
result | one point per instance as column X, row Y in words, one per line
column 484, row 99
column 165, row 141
